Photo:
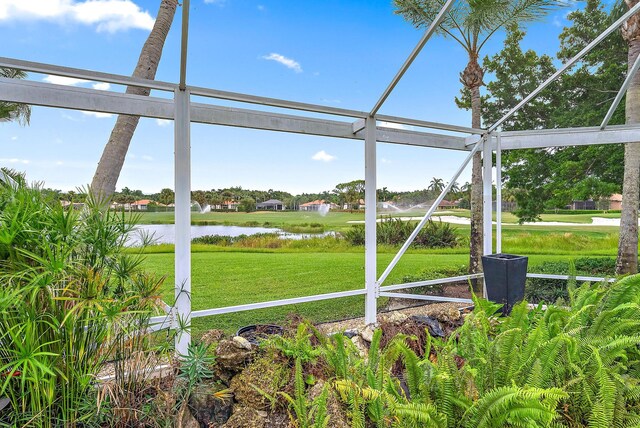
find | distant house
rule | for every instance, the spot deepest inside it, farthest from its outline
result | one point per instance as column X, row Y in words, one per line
column 230, row 205
column 271, row 204
column 141, row 205
column 447, row 205
column 74, row 205
column 589, row 204
column 615, row 201
column 315, row 205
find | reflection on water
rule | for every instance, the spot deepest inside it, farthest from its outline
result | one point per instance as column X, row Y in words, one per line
column 165, row 233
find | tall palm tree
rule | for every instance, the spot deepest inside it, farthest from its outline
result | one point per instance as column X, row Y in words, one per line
column 436, row 185
column 110, row 165
column 471, row 24
column 20, row 113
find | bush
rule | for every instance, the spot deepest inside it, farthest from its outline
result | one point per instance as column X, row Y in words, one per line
column 69, row 298
column 429, row 274
column 551, row 290
column 393, row 231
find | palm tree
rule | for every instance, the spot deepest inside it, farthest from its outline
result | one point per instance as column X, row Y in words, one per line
column 110, row 165
column 21, row 113
column 471, row 24
column 436, row 185
column 627, row 261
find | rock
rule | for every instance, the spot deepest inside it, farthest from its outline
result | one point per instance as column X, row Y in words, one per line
column 335, row 411
column 231, row 356
column 242, row 343
column 367, row 333
column 350, row 333
column 260, row 382
column 432, row 324
column 394, row 317
column 278, row 420
column 186, row 419
column 208, row 409
column 212, row 336
column 245, row 417
column 361, row 345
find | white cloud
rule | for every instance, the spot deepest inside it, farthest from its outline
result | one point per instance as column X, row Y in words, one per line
column 101, row 86
column 14, row 138
column 163, row 122
column 104, row 15
column 147, row 158
column 385, row 160
column 15, row 160
column 98, row 115
column 67, row 81
column 323, row 156
column 216, row 2
column 261, row 7
column 287, row 62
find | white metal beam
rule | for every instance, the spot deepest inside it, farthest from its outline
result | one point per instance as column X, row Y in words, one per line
column 50, row 95
column 182, row 160
column 425, row 297
column 623, row 90
column 498, row 193
column 569, row 137
column 370, row 221
column 487, row 196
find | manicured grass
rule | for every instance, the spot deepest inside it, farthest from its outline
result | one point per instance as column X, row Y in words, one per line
column 234, row 278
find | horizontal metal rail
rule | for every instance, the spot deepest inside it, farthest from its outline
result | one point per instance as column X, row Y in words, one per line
column 425, row 297
column 567, row 277
column 90, row 75
column 275, row 303
column 431, row 282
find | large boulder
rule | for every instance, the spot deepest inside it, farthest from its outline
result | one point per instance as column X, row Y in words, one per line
column 208, row 409
column 232, row 356
column 245, row 417
column 258, row 385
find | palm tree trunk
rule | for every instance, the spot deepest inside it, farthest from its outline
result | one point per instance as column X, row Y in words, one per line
column 475, row 250
column 627, row 261
column 110, row 165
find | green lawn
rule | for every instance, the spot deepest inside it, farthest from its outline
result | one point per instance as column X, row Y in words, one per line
column 223, row 278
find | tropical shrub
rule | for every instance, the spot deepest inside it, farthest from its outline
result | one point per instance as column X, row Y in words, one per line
column 68, row 296
column 552, row 290
column 574, row 366
column 394, row 231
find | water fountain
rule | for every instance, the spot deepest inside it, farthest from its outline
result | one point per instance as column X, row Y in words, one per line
column 201, row 209
column 323, row 209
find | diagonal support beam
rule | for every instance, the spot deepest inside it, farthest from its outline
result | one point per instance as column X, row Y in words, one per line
column 621, row 92
column 429, row 213
column 566, row 66
column 412, row 56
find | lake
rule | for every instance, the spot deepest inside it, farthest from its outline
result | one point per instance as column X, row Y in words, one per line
column 166, row 233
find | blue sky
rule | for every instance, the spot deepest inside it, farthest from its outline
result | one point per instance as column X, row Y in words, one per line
column 338, row 53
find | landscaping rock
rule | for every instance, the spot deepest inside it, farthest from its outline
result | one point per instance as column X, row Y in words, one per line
column 212, row 336
column 242, row 343
column 278, row 420
column 394, row 317
column 208, row 409
column 186, row 419
column 432, row 324
column 230, row 355
column 361, row 345
column 335, row 410
column 245, row 417
column 367, row 333
column 260, row 380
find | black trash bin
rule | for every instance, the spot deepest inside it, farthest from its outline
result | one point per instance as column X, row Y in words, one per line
column 505, row 276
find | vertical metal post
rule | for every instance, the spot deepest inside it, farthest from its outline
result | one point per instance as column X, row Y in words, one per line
column 182, row 165
column 370, row 262
column 498, row 193
column 487, row 165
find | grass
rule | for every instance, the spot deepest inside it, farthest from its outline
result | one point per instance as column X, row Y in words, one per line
column 264, row 269
column 223, row 278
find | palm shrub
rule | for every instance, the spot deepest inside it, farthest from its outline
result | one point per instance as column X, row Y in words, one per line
column 69, row 295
